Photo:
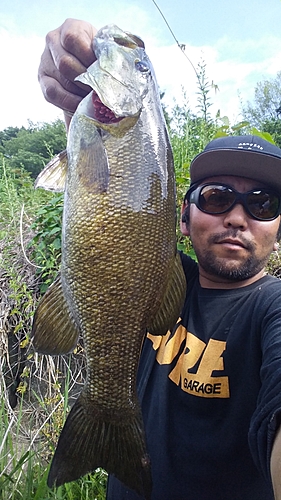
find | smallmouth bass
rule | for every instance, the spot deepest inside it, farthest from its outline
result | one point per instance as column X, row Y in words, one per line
column 120, row 272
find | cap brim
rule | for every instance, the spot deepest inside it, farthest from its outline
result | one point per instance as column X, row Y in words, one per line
column 261, row 167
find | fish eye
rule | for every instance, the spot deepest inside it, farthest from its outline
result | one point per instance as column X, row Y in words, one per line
column 142, row 66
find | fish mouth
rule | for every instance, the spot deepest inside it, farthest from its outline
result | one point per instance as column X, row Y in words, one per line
column 102, row 113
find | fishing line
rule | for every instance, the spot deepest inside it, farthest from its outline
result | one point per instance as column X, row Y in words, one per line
column 22, row 242
column 180, row 45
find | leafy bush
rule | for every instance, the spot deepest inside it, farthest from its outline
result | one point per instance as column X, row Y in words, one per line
column 46, row 243
column 32, row 148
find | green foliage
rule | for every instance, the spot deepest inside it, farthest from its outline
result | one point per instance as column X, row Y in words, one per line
column 265, row 111
column 267, row 101
column 47, row 241
column 273, row 128
column 241, row 128
column 6, row 135
column 32, row 148
column 189, row 133
column 224, row 127
column 203, row 93
column 24, row 471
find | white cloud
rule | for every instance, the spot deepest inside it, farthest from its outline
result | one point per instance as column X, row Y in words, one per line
column 235, row 66
column 226, row 66
column 21, row 98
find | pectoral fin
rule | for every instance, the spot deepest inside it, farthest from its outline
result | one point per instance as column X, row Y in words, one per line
column 172, row 302
column 54, row 330
column 53, row 176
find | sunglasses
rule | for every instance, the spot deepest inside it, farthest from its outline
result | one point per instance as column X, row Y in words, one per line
column 260, row 204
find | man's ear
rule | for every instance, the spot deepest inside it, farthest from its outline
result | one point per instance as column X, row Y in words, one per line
column 184, row 222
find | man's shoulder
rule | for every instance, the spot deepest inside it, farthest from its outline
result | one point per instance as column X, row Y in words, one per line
column 269, row 282
column 268, row 289
column 189, row 265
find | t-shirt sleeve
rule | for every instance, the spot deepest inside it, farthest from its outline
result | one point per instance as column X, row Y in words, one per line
column 267, row 417
column 189, row 265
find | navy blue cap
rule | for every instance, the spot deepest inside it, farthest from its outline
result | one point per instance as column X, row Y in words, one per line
column 247, row 156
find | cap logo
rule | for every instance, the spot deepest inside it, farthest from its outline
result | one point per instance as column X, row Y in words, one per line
column 249, row 145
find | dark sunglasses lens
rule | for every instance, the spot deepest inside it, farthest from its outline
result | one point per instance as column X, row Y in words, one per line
column 216, row 199
column 263, row 205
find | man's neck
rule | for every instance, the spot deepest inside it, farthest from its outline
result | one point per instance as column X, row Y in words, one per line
column 209, row 281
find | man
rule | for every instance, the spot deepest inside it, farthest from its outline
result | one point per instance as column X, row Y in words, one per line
column 211, row 389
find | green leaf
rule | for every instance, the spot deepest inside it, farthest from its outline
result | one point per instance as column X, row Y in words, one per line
column 55, row 230
column 42, row 487
column 240, row 125
column 220, row 133
column 225, row 121
column 57, row 243
column 263, row 135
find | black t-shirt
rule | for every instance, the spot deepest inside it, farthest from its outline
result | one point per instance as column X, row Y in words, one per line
column 211, row 394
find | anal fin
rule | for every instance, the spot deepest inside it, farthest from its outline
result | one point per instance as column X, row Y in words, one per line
column 54, row 330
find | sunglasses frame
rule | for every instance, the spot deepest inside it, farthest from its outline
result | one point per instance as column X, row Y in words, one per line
column 193, row 196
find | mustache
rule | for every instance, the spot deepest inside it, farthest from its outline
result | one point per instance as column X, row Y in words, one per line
column 233, row 234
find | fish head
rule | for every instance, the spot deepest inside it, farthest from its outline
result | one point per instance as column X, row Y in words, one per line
column 120, row 77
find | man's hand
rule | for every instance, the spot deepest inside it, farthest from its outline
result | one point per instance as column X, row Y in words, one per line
column 67, row 54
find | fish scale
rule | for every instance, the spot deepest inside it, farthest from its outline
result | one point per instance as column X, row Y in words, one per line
column 120, row 273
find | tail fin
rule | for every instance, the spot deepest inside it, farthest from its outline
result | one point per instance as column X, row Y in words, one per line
column 91, row 439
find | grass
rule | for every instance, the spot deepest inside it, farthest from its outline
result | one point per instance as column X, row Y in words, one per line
column 28, row 435
column 35, row 391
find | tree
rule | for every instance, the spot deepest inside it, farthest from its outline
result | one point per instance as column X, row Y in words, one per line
column 6, row 135
column 33, row 147
column 265, row 111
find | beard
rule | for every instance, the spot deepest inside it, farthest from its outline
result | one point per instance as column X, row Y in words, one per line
column 228, row 268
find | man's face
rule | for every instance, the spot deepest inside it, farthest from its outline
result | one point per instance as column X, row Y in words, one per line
column 232, row 248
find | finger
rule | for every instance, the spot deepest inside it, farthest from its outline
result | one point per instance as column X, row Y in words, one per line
column 56, row 59
column 70, row 47
column 67, row 54
column 77, row 39
column 47, row 68
column 56, row 94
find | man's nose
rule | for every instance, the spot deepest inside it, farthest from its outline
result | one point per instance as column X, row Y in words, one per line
column 236, row 217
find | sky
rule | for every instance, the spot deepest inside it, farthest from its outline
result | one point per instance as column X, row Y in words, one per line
column 240, row 43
